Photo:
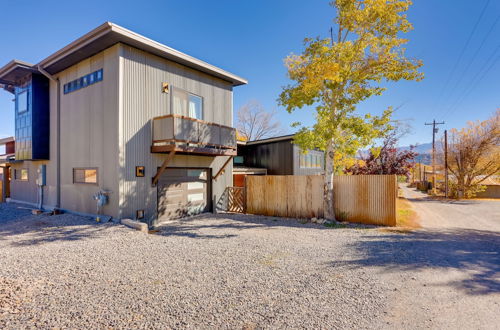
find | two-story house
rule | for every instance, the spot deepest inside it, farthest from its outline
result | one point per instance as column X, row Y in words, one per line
column 118, row 113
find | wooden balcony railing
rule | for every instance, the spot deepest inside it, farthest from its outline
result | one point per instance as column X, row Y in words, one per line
column 189, row 135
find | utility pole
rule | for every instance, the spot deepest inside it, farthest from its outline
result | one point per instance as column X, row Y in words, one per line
column 434, row 131
column 446, row 163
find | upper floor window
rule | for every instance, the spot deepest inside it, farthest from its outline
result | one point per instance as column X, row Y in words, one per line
column 22, row 102
column 187, row 104
column 84, row 81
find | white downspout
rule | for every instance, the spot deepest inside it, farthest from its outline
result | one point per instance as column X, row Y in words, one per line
column 58, row 140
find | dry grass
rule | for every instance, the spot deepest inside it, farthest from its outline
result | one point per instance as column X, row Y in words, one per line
column 406, row 215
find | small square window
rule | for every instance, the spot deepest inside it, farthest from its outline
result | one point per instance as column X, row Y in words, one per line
column 21, row 174
column 140, row 171
column 139, row 214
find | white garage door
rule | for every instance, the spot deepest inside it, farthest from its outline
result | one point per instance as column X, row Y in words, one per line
column 183, row 192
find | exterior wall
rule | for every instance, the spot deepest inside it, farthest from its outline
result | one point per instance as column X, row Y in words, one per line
column 297, row 170
column 492, row 191
column 27, row 191
column 142, row 99
column 276, row 157
column 89, row 133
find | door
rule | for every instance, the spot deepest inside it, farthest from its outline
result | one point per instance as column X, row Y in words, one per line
column 183, row 192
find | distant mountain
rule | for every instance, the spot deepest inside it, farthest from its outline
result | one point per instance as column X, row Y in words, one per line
column 424, row 152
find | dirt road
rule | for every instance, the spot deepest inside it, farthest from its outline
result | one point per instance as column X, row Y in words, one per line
column 449, row 271
column 465, row 214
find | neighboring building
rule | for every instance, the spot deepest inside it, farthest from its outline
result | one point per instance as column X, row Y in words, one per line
column 118, row 113
column 492, row 190
column 276, row 156
column 8, row 147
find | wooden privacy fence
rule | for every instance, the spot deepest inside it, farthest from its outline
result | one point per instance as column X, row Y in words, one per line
column 291, row 196
column 369, row 199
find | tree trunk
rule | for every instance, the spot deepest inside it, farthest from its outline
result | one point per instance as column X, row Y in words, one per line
column 328, row 204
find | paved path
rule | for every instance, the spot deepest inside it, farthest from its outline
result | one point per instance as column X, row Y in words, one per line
column 465, row 214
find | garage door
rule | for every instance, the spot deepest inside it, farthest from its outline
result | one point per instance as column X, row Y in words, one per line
column 183, row 192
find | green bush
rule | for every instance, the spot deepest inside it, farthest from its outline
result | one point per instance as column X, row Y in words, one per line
column 469, row 191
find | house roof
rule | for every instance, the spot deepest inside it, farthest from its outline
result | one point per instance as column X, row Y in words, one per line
column 102, row 37
column 491, row 181
column 269, row 140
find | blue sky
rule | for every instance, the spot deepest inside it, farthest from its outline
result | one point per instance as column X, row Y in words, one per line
column 251, row 39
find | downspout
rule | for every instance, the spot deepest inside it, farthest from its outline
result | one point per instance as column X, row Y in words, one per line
column 58, row 139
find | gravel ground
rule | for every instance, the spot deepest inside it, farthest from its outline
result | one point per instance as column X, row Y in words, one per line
column 243, row 272
column 224, row 271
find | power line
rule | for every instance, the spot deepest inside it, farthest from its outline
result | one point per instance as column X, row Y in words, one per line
column 488, row 65
column 460, row 78
column 462, row 52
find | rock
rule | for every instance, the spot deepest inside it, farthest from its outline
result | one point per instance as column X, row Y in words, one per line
column 314, row 220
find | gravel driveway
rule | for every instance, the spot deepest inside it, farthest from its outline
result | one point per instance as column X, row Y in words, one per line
column 223, row 271
column 238, row 272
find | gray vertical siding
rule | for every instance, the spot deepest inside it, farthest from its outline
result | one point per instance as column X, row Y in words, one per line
column 142, row 75
column 297, row 170
column 89, row 138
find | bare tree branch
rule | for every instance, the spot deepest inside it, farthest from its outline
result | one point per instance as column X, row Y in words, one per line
column 255, row 123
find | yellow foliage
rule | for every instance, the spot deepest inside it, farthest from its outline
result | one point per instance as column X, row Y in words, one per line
column 336, row 75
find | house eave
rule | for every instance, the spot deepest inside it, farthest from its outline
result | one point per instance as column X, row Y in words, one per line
column 109, row 34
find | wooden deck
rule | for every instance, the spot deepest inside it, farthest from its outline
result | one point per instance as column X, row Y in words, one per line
column 184, row 149
column 185, row 135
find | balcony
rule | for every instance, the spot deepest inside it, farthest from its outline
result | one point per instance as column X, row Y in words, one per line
column 192, row 136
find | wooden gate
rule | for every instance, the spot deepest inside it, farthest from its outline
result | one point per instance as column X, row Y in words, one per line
column 236, row 199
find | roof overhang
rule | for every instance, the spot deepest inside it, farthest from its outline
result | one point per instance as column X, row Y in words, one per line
column 249, row 170
column 109, row 34
column 6, row 140
column 13, row 72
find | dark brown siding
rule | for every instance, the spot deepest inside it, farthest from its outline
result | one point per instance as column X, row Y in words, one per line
column 277, row 157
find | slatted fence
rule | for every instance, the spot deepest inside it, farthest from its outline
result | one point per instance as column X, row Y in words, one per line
column 285, row 195
column 369, row 199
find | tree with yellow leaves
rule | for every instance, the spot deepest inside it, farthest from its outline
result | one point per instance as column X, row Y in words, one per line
column 336, row 75
column 474, row 155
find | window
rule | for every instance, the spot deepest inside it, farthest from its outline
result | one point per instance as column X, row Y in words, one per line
column 21, row 174
column 238, row 160
column 22, row 102
column 83, row 82
column 310, row 161
column 85, row 175
column 186, row 104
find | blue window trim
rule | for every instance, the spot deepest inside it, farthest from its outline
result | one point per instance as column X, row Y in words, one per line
column 83, row 81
